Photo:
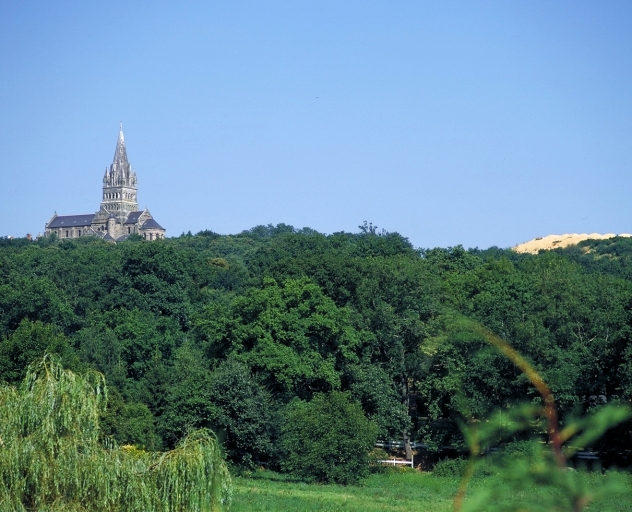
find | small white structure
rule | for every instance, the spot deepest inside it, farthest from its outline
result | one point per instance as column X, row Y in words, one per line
column 396, row 462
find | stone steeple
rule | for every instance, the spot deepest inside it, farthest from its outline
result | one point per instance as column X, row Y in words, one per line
column 119, row 216
column 120, row 184
column 120, row 155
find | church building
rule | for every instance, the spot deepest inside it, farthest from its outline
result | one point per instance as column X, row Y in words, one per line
column 119, row 215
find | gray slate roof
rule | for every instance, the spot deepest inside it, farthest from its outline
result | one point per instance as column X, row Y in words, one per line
column 132, row 217
column 151, row 224
column 71, row 221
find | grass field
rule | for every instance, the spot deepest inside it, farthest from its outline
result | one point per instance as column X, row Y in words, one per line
column 267, row 491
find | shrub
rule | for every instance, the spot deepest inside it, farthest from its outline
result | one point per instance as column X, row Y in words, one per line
column 454, row 468
column 524, row 450
column 328, row 439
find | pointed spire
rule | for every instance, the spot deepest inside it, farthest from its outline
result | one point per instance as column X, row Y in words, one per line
column 120, row 155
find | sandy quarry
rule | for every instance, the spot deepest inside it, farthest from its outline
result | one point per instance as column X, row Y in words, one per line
column 557, row 241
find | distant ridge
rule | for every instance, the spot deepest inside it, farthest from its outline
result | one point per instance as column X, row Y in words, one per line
column 558, row 241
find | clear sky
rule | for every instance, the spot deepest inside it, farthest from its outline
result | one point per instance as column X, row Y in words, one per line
column 475, row 123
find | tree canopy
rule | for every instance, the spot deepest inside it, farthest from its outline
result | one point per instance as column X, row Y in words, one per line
column 224, row 333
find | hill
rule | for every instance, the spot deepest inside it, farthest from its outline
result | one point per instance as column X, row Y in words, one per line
column 560, row 241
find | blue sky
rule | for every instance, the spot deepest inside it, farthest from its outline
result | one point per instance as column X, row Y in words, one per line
column 473, row 123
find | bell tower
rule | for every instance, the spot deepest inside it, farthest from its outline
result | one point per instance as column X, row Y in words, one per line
column 120, row 184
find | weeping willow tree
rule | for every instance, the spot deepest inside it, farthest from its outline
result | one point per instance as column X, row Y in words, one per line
column 53, row 457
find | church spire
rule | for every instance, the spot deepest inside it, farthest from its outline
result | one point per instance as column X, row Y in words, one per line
column 120, row 155
column 120, row 184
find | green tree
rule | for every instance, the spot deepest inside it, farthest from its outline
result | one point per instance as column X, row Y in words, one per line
column 328, row 439
column 188, row 404
column 381, row 399
column 396, row 299
column 30, row 341
column 35, row 298
column 129, row 423
column 292, row 336
column 52, row 457
column 244, row 412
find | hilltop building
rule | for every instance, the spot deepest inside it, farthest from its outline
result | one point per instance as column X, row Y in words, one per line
column 119, row 215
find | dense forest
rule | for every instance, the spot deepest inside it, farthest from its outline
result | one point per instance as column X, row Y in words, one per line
column 240, row 333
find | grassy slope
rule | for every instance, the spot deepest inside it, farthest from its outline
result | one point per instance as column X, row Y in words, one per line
column 388, row 492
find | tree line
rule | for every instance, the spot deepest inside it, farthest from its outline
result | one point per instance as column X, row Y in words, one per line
column 254, row 335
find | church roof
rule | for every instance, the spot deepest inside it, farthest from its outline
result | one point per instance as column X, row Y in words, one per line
column 151, row 224
column 71, row 221
column 132, row 217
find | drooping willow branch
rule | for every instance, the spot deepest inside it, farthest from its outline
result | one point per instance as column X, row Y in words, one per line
column 52, row 455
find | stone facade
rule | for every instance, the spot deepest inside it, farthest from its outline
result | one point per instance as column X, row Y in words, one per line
column 119, row 215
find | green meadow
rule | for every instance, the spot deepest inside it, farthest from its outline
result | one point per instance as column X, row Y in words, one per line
column 393, row 492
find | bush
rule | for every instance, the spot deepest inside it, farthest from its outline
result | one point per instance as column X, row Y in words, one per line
column 328, row 439
column 450, row 468
column 524, row 450
column 455, row 468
